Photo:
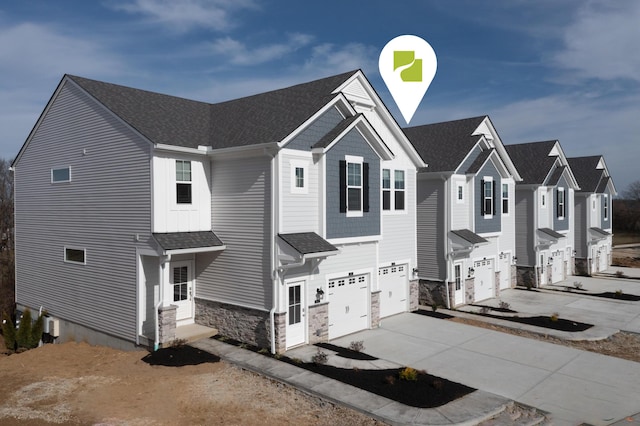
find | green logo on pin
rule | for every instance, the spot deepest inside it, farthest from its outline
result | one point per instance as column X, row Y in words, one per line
column 411, row 67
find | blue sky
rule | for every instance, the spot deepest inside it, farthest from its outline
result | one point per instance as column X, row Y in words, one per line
column 545, row 69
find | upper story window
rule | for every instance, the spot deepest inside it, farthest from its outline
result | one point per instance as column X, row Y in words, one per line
column 354, row 186
column 399, row 189
column 488, row 190
column 460, row 193
column 561, row 210
column 74, row 255
column 61, row 174
column 505, row 198
column 386, row 189
column 543, row 198
column 299, row 177
column 183, row 182
column 605, row 201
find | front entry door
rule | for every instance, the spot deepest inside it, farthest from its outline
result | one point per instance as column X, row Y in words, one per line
column 182, row 289
column 458, row 281
column 295, row 314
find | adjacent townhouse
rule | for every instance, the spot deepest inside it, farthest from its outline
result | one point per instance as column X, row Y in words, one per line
column 544, row 214
column 466, row 220
column 593, row 215
column 279, row 219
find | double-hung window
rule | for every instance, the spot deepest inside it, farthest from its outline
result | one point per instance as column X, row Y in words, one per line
column 386, row 189
column 561, row 203
column 183, row 182
column 299, row 177
column 393, row 181
column 605, row 212
column 487, row 199
column 399, row 189
column 354, row 187
column 505, row 198
column 459, row 193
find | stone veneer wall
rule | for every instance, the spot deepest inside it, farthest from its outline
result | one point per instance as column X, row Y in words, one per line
column 375, row 309
column 318, row 323
column 167, row 324
column 430, row 292
column 239, row 323
column 581, row 266
column 525, row 276
column 496, row 284
column 514, row 276
column 414, row 295
column 469, row 291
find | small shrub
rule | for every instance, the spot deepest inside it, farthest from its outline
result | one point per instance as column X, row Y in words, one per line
column 504, row 305
column 528, row 285
column 263, row 351
column 390, row 380
column 296, row 360
column 357, row 345
column 620, row 274
column 434, row 306
column 408, row 374
column 9, row 332
column 619, row 292
column 29, row 333
column 577, row 285
column 244, row 346
column 554, row 316
column 320, row 357
column 485, row 310
column 277, row 356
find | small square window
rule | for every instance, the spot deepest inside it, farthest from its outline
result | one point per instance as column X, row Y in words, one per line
column 62, row 174
column 72, row 255
column 459, row 193
column 299, row 176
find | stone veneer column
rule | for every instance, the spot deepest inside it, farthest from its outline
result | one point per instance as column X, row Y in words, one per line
column 167, row 324
column 496, row 290
column 280, row 322
column 469, row 290
column 375, row 309
column 318, row 323
column 414, row 295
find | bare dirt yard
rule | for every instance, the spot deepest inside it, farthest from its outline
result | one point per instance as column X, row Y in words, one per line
column 626, row 256
column 81, row 384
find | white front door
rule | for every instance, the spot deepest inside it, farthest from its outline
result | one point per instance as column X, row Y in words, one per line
column 483, row 286
column 543, row 270
column 295, row 313
column 603, row 261
column 393, row 290
column 505, row 271
column 458, row 284
column 348, row 305
column 181, row 284
column 557, row 266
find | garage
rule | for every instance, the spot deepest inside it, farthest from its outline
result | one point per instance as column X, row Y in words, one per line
column 557, row 266
column 393, row 290
column 348, row 305
column 505, row 270
column 602, row 259
column 484, row 279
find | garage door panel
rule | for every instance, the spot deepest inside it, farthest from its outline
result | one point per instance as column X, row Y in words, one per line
column 393, row 290
column 484, row 279
column 348, row 305
column 557, row 267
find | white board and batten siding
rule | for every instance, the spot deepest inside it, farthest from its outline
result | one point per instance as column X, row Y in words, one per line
column 461, row 210
column 241, row 218
column 168, row 215
column 105, row 209
column 299, row 207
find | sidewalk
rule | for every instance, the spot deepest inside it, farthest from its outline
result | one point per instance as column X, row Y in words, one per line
column 468, row 410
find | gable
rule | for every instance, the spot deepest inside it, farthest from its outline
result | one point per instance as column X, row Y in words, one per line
column 316, row 131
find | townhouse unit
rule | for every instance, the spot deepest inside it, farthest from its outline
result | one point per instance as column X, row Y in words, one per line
column 544, row 214
column 593, row 215
column 466, row 221
column 279, row 219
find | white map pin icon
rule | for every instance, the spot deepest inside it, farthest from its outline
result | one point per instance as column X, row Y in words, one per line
column 407, row 65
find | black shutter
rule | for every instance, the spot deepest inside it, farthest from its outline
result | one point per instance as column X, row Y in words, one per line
column 557, row 203
column 495, row 197
column 343, row 186
column 365, row 187
column 482, row 197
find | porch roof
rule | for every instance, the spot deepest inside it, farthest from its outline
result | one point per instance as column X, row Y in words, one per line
column 548, row 232
column 308, row 243
column 469, row 236
column 599, row 231
column 189, row 242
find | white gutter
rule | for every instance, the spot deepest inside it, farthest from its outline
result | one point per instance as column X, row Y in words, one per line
column 275, row 202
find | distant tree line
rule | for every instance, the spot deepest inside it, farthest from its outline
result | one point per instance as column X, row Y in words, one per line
column 7, row 252
column 626, row 211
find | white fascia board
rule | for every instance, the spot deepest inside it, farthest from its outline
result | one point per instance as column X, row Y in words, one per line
column 202, row 150
column 499, row 146
column 195, row 250
column 321, row 254
column 369, row 134
column 270, row 148
column 481, row 140
column 386, row 116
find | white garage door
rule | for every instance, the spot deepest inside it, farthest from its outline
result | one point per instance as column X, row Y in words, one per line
column 393, row 290
column 505, row 271
column 557, row 266
column 484, row 279
column 603, row 260
column 348, row 305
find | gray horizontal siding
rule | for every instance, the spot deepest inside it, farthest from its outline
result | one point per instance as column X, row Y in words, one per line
column 316, row 130
column 430, row 229
column 469, row 161
column 484, row 224
column 241, row 218
column 525, row 250
column 580, row 235
column 107, row 202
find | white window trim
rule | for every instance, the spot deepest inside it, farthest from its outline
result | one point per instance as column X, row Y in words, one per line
column 64, row 255
column 392, row 192
column 404, row 190
column 383, row 189
column 543, row 197
column 484, row 197
column 459, row 186
column 60, row 168
column 461, row 265
column 564, row 204
column 605, row 212
column 304, row 165
column 502, row 199
column 354, row 160
column 183, row 206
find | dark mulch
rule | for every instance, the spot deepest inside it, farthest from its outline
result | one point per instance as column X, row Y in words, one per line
column 546, row 322
column 527, row 289
column 434, row 314
column 617, row 296
column 427, row 391
column 346, row 352
column 498, row 309
column 179, row 356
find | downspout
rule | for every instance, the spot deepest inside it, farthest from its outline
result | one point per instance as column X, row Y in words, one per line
column 275, row 214
column 449, row 253
column 535, row 239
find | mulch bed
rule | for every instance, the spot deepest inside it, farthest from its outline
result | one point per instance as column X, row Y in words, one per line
column 434, row 314
column 179, row 356
column 560, row 324
column 497, row 309
column 617, row 296
column 427, row 391
column 346, row 352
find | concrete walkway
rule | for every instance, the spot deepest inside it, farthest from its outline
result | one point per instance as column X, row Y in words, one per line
column 573, row 386
column 468, row 410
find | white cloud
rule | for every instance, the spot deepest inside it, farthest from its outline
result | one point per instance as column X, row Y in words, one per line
column 182, row 15
column 327, row 59
column 240, row 54
column 602, row 42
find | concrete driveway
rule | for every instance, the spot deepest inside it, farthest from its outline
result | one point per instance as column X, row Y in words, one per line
column 573, row 386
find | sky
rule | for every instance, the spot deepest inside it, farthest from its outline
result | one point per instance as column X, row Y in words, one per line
column 541, row 69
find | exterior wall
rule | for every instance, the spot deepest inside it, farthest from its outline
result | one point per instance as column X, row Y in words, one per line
column 430, row 229
column 94, row 211
column 300, row 210
column 461, row 211
column 338, row 224
column 432, row 292
column 525, row 202
column 482, row 223
column 562, row 224
column 464, row 166
column 318, row 323
column 605, row 223
column 241, row 217
column 545, row 212
column 580, row 226
column 375, row 309
column 168, row 215
column 316, row 130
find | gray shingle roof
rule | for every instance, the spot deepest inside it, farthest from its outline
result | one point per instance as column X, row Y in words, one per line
column 556, row 175
column 307, row 242
column 600, row 231
column 187, row 240
column 326, row 140
column 444, row 145
column 550, row 232
column 469, row 236
column 532, row 160
column 584, row 169
column 603, row 184
column 262, row 118
column 479, row 161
